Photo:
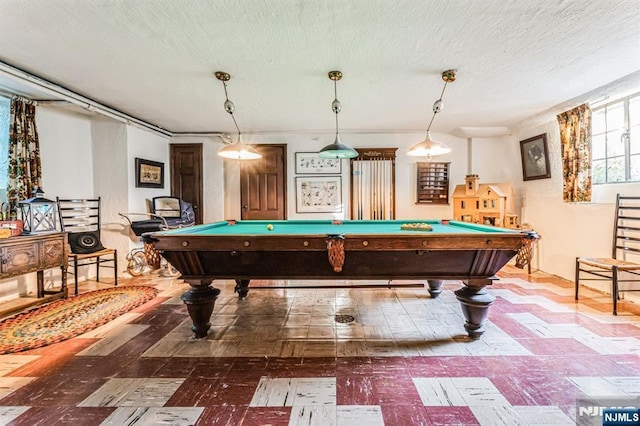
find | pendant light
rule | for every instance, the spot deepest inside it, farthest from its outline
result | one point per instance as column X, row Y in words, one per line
column 428, row 147
column 238, row 150
column 337, row 149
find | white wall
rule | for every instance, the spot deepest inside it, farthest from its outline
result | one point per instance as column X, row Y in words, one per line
column 66, row 152
column 493, row 160
column 109, row 142
column 85, row 156
column 88, row 156
column 67, row 171
column 569, row 230
column 213, row 176
column 148, row 146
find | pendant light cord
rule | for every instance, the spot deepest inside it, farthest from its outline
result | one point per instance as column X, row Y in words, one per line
column 434, row 113
column 335, row 96
column 233, row 117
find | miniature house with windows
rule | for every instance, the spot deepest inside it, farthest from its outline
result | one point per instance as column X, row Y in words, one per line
column 485, row 203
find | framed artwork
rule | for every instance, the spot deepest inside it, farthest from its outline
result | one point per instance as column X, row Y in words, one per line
column 149, row 174
column 311, row 162
column 535, row 158
column 318, row 194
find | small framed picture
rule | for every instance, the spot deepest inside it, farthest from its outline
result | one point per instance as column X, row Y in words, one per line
column 535, row 158
column 318, row 194
column 311, row 162
column 149, row 174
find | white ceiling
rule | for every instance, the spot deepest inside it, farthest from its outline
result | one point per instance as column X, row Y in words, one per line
column 155, row 59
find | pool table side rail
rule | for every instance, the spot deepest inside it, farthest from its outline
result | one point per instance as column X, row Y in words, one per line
column 351, row 242
column 437, row 264
column 323, row 227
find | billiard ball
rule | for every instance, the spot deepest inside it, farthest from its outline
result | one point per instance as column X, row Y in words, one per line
column 269, row 227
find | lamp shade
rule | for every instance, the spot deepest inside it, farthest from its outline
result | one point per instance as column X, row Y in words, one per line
column 338, row 150
column 428, row 148
column 239, row 151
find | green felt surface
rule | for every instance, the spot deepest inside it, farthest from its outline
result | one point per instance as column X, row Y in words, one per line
column 327, row 227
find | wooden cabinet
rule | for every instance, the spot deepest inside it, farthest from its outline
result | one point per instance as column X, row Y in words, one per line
column 433, row 183
column 35, row 253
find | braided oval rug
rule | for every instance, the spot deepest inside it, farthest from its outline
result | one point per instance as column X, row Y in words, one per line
column 67, row 318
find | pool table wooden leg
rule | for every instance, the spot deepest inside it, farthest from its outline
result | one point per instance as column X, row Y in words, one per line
column 242, row 288
column 435, row 288
column 475, row 302
column 200, row 300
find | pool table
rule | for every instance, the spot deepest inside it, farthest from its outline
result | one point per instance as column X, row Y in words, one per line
column 337, row 250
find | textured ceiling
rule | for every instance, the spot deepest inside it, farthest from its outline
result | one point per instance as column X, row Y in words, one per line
column 155, row 59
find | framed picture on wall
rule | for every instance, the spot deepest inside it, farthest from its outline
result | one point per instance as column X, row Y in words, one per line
column 149, row 174
column 318, row 194
column 311, row 162
column 535, row 158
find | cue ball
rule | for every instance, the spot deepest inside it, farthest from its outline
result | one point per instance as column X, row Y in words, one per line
column 269, row 227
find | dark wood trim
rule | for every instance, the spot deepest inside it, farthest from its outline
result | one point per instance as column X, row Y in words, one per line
column 376, row 153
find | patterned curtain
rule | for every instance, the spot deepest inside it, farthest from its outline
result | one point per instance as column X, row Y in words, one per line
column 575, row 142
column 25, row 168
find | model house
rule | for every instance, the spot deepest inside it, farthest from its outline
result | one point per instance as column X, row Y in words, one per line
column 136, row 100
column 486, row 203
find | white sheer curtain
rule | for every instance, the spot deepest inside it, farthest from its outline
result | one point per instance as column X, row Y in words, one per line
column 373, row 192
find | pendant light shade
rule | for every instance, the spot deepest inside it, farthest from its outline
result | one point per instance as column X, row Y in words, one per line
column 237, row 150
column 428, row 147
column 337, row 149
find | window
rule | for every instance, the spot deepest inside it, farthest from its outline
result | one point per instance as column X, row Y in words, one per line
column 463, row 205
column 615, row 140
column 5, row 116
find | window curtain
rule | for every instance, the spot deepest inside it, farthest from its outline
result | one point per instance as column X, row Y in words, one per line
column 575, row 143
column 25, row 169
column 373, row 184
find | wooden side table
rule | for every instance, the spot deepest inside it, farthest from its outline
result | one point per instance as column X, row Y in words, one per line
column 35, row 253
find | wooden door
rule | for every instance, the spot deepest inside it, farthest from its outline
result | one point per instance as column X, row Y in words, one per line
column 262, row 185
column 186, row 175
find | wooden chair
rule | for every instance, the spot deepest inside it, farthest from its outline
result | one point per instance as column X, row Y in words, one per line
column 625, row 257
column 80, row 218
